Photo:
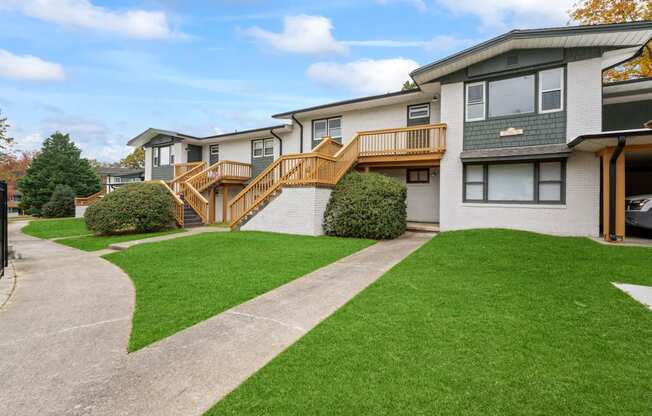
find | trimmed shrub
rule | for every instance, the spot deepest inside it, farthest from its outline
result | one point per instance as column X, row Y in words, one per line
column 61, row 203
column 140, row 207
column 366, row 205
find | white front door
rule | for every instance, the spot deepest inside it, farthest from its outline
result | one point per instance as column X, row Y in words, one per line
column 423, row 195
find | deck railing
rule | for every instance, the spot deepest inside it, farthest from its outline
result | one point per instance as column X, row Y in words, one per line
column 330, row 161
column 404, row 141
column 224, row 169
column 183, row 168
column 186, row 170
column 89, row 200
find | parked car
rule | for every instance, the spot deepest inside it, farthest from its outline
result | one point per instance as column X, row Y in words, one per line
column 638, row 211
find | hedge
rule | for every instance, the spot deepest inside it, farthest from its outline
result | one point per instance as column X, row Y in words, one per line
column 140, row 207
column 366, row 205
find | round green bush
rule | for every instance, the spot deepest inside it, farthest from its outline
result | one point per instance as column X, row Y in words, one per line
column 366, row 205
column 140, row 207
column 61, row 203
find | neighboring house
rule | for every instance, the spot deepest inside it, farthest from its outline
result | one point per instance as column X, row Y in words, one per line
column 111, row 178
column 14, row 196
column 518, row 132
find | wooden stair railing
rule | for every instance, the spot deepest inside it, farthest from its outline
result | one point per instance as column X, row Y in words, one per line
column 88, row 200
column 194, row 185
column 330, row 161
column 178, row 204
column 220, row 170
column 188, row 170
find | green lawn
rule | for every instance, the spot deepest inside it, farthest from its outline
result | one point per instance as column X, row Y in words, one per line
column 491, row 322
column 186, row 280
column 94, row 242
column 56, row 228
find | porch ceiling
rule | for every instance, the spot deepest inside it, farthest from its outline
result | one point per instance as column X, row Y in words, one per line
column 599, row 141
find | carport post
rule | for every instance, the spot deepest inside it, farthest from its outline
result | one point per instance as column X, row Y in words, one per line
column 613, row 203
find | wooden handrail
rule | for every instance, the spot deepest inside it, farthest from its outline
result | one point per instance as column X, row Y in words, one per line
column 193, row 170
column 178, row 204
column 330, row 161
column 327, row 146
column 88, row 200
column 193, row 186
column 182, row 168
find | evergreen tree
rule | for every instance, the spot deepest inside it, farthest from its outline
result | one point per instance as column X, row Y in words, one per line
column 58, row 163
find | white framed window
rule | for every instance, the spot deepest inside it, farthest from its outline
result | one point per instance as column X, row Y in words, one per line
column 511, row 96
column 475, row 101
column 263, row 148
column 268, row 147
column 257, row 148
column 215, row 149
column 551, row 90
column 328, row 127
column 419, row 111
column 163, row 156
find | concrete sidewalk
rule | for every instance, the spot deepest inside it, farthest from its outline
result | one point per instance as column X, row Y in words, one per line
column 73, row 361
column 189, row 232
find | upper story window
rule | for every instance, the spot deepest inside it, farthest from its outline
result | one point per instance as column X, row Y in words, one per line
column 551, row 90
column 516, row 95
column 419, row 111
column 511, row 96
column 328, row 127
column 163, row 156
column 475, row 108
column 263, row 148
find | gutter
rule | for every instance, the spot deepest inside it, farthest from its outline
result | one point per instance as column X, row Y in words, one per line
column 280, row 142
column 612, row 186
column 300, row 132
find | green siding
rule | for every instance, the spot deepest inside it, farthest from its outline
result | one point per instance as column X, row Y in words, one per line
column 165, row 173
column 259, row 164
column 538, row 129
column 625, row 116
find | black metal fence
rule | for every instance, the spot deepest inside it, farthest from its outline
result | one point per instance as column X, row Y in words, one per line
column 4, row 235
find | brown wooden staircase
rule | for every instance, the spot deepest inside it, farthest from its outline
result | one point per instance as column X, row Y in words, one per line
column 330, row 161
column 194, row 179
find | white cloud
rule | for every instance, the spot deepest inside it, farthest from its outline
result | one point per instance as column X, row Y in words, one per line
column 28, row 67
column 301, row 34
column 504, row 14
column 135, row 23
column 367, row 76
column 417, row 4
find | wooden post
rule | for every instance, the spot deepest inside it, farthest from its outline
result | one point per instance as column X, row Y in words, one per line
column 211, row 206
column 225, row 203
column 620, row 194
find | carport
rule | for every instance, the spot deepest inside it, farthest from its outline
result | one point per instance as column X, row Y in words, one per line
column 625, row 169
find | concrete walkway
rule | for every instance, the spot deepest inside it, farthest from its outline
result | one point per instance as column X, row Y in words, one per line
column 187, row 233
column 64, row 334
column 642, row 294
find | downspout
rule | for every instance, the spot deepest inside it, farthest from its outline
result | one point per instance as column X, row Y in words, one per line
column 300, row 133
column 280, row 142
column 612, row 186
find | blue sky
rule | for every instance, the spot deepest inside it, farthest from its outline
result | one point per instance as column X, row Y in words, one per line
column 104, row 71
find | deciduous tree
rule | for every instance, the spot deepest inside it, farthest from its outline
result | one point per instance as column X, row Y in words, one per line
column 592, row 12
column 135, row 160
column 5, row 140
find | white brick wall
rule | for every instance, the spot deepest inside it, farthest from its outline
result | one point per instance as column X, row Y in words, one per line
column 293, row 211
column 583, row 98
column 79, row 211
column 579, row 216
column 148, row 163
